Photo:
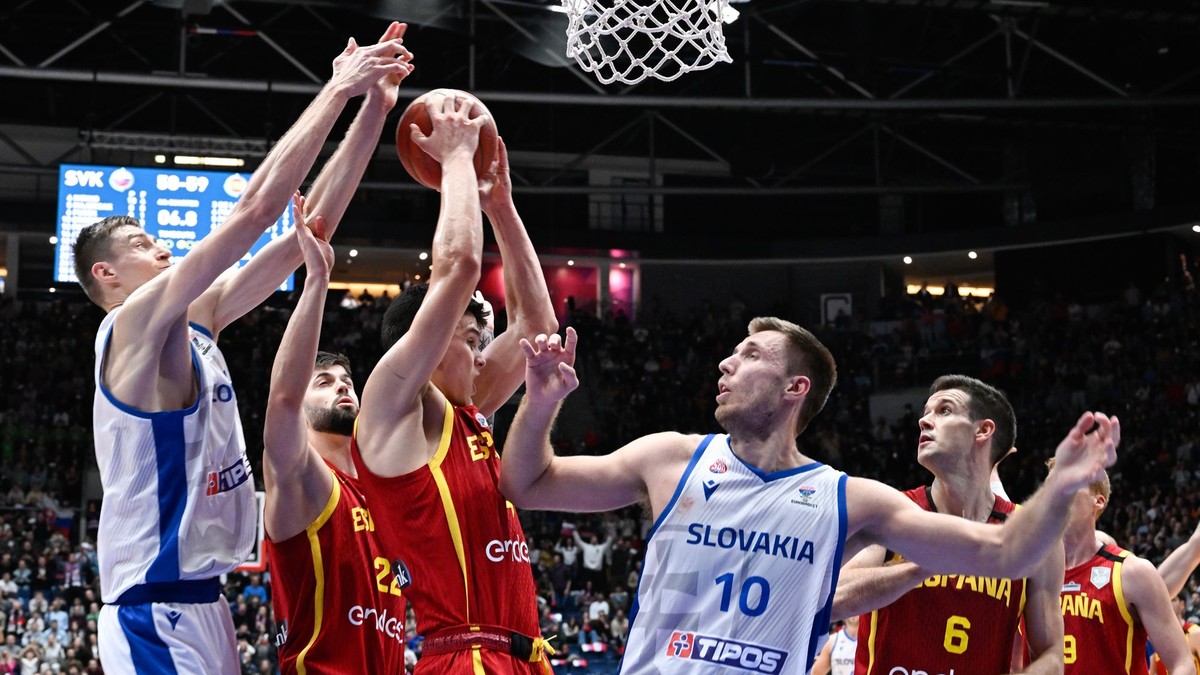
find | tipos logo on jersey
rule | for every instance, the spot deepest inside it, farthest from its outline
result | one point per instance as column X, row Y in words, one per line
column 740, row 655
column 1072, row 587
column 1101, row 576
column 228, row 478
column 719, row 466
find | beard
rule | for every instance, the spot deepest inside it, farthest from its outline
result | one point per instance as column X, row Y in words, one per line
column 331, row 420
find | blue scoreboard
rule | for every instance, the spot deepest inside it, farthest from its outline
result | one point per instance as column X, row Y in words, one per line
column 178, row 208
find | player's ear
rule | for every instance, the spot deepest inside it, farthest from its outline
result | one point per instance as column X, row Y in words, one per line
column 104, row 273
column 985, row 430
column 798, row 385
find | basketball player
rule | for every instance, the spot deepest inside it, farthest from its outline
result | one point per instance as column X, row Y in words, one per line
column 953, row 623
column 422, row 446
column 1112, row 600
column 1191, row 633
column 837, row 656
column 749, row 534
column 331, row 614
column 179, row 507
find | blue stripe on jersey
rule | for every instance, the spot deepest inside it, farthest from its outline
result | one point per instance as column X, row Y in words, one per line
column 149, row 653
column 201, row 329
column 768, row 477
column 170, row 454
column 633, row 609
column 680, row 485
column 130, row 410
column 824, row 617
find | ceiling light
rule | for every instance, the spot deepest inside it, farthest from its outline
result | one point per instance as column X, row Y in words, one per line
column 423, row 256
column 353, row 253
column 1033, row 4
column 53, row 240
column 194, row 160
column 622, row 265
column 1196, row 228
column 570, row 263
column 972, row 255
column 907, row 260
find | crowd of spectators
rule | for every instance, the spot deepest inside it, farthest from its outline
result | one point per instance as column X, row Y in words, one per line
column 1135, row 356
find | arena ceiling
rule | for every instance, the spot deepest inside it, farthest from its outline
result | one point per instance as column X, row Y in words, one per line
column 953, row 122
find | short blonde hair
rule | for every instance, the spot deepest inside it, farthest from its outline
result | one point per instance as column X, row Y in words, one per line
column 1101, row 487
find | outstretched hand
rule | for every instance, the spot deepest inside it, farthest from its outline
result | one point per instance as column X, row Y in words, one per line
column 313, row 236
column 385, row 89
column 495, row 185
column 550, row 367
column 357, row 69
column 452, row 128
column 1083, row 455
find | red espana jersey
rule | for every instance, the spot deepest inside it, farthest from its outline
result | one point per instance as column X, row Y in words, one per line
column 333, row 610
column 460, row 544
column 1100, row 635
column 951, row 624
column 1157, row 667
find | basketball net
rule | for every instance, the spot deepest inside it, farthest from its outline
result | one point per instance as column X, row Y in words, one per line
column 630, row 40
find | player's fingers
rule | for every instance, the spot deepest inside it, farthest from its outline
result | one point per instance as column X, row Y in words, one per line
column 569, row 376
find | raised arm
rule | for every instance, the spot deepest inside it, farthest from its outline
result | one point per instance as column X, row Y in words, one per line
column 532, row 477
column 392, row 406
column 527, row 300
column 240, row 289
column 297, row 480
column 148, row 360
column 277, row 178
column 1043, row 614
column 1147, row 594
column 1178, row 566
column 948, row 544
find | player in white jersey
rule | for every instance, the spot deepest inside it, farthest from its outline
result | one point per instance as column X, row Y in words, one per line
column 722, row 582
column 179, row 506
column 837, row 656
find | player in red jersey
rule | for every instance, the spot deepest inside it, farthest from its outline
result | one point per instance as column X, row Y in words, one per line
column 424, row 450
column 1112, row 601
column 955, row 623
column 331, row 613
column 1191, row 633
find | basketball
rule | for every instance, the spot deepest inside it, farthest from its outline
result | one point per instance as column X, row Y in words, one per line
column 425, row 169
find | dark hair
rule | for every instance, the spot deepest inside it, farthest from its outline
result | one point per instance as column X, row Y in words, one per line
column 330, row 359
column 807, row 357
column 92, row 245
column 985, row 402
column 398, row 318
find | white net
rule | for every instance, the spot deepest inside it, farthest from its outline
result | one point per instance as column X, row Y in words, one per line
column 630, row 40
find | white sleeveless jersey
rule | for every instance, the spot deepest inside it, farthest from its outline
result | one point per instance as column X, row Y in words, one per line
column 179, row 499
column 740, row 569
column 841, row 655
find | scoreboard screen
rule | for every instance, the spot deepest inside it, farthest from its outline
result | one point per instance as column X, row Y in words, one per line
column 176, row 207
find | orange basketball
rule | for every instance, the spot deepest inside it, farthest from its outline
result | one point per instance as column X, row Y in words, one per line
column 425, row 169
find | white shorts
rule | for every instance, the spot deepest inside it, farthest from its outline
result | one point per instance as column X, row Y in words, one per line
column 168, row 637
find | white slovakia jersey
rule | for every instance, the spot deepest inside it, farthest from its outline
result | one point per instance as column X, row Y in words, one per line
column 179, row 498
column 740, row 569
column 841, row 656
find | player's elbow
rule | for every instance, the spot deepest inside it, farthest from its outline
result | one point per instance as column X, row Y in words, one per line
column 458, row 264
column 516, row 491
